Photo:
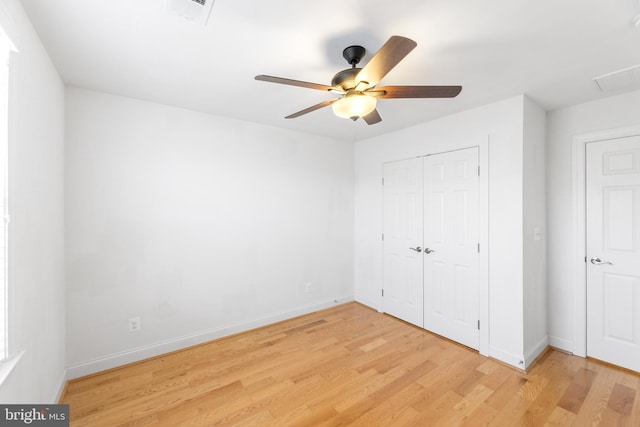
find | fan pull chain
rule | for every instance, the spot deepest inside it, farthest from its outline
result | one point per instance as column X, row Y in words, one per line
column 354, row 131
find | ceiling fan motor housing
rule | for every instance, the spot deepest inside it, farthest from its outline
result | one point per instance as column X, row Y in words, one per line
column 345, row 79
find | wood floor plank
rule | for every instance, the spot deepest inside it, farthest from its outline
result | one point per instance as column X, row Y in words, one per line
column 438, row 409
column 459, row 413
column 560, row 417
column 350, row 365
column 622, row 399
column 595, row 404
column 483, row 415
column 633, row 382
column 577, row 391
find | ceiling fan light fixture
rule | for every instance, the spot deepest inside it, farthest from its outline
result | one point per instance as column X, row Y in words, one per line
column 354, row 105
column 359, row 85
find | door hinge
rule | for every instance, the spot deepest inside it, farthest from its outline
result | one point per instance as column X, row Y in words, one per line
column 478, row 247
column 383, row 237
column 478, row 170
column 585, row 260
column 478, row 325
column 383, row 181
column 383, row 292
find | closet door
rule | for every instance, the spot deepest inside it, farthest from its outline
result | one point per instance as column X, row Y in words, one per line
column 403, row 297
column 613, row 251
column 451, row 252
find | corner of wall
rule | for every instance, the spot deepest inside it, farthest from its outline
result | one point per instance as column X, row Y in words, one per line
column 62, row 387
column 534, row 230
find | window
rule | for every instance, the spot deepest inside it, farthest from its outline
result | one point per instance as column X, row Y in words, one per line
column 5, row 47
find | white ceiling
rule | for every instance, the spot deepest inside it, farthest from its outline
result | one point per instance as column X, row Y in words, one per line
column 548, row 49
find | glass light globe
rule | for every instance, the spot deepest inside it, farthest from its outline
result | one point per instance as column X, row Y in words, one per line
column 354, row 105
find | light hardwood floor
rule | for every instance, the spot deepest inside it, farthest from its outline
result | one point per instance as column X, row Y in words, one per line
column 350, row 365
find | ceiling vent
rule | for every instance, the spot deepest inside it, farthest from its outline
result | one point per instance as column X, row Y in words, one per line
column 624, row 80
column 194, row 10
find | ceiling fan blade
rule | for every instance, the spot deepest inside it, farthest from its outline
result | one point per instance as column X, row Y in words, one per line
column 372, row 118
column 389, row 55
column 312, row 108
column 419, row 91
column 299, row 83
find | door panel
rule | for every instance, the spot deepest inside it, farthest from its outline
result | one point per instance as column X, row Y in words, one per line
column 618, row 214
column 437, row 289
column 619, row 297
column 403, row 194
column 461, row 287
column 451, row 231
column 613, row 251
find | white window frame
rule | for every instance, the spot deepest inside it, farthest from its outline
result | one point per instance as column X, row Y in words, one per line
column 8, row 359
column 5, row 49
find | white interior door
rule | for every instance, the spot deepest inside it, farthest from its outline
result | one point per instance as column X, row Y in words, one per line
column 403, row 240
column 613, row 251
column 451, row 253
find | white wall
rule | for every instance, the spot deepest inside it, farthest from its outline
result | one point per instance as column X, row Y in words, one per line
column 534, row 212
column 201, row 225
column 36, row 233
column 609, row 113
column 502, row 124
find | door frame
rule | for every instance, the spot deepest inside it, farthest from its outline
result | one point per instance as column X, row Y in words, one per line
column 579, row 216
column 482, row 143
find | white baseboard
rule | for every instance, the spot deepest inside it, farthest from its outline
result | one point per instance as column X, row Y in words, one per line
column 531, row 356
column 518, row 361
column 514, row 360
column 141, row 353
column 367, row 302
column 561, row 343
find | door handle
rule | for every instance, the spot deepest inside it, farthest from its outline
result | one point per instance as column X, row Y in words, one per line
column 418, row 249
column 428, row 251
column 598, row 261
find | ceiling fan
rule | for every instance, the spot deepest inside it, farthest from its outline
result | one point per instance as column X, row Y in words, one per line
column 358, row 85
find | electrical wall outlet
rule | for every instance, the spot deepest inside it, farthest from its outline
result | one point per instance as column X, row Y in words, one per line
column 135, row 324
column 307, row 287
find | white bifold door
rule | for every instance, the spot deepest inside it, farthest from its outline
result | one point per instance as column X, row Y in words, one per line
column 613, row 251
column 431, row 236
column 451, row 254
column 403, row 223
